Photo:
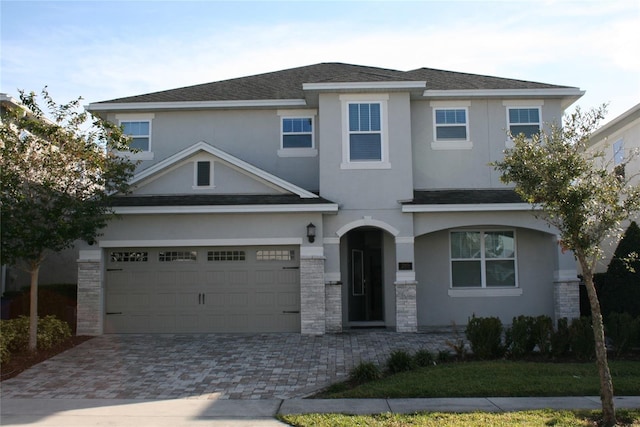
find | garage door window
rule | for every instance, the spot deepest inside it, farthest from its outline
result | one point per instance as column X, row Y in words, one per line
column 169, row 256
column 276, row 255
column 129, row 256
column 226, row 256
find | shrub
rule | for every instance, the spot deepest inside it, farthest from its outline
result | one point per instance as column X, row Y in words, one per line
column 364, row 372
column 542, row 333
column 582, row 341
column 623, row 330
column 15, row 334
column 443, row 356
column 485, row 337
column 400, row 361
column 519, row 338
column 561, row 339
column 423, row 358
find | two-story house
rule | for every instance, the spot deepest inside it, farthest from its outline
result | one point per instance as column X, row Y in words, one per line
column 325, row 197
column 619, row 143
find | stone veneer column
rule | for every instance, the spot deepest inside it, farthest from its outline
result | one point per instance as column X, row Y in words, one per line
column 89, row 311
column 406, row 307
column 333, row 306
column 566, row 296
column 312, row 296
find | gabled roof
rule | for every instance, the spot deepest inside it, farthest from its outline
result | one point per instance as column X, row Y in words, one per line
column 288, row 84
column 249, row 169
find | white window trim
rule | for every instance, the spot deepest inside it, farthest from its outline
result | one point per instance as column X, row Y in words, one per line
column 484, row 290
column 298, row 152
column 381, row 99
column 537, row 103
column 452, row 144
column 137, row 117
column 195, row 175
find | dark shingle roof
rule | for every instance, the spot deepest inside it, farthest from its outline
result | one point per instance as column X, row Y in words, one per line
column 463, row 197
column 287, row 84
column 215, row 200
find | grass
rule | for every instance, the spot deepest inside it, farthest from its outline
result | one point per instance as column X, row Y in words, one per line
column 496, row 379
column 474, row 419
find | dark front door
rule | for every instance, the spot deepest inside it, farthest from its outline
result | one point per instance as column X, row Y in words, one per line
column 365, row 275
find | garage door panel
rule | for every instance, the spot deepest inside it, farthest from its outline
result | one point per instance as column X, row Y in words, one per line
column 214, row 290
column 265, row 299
column 237, row 300
column 238, row 278
column 265, row 277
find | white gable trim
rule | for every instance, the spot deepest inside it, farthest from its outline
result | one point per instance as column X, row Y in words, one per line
column 240, row 164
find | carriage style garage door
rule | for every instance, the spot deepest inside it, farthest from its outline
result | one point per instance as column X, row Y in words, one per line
column 184, row 290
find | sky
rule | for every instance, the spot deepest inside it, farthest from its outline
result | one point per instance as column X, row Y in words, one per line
column 101, row 50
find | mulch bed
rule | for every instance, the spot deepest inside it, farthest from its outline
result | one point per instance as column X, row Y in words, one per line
column 24, row 360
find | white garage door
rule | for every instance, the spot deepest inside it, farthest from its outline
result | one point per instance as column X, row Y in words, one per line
column 185, row 290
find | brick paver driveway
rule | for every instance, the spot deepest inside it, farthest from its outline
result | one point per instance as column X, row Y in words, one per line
column 204, row 366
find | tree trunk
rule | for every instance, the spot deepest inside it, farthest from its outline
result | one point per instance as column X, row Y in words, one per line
column 33, row 307
column 606, row 384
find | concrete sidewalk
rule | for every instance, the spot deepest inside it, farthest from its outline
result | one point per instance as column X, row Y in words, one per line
column 260, row 413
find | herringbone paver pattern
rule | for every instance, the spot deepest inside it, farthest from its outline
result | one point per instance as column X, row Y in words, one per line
column 222, row 366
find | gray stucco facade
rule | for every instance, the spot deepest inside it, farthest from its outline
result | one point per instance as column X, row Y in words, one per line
column 381, row 256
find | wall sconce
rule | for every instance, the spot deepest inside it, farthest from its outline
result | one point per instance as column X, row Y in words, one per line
column 311, row 232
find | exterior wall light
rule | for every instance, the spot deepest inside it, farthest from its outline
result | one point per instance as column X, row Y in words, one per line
column 311, row 232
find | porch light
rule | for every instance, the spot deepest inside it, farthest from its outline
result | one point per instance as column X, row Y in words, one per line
column 311, row 232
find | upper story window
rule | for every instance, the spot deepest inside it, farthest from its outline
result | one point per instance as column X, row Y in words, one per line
column 524, row 120
column 483, row 258
column 297, row 133
column 203, row 174
column 618, row 158
column 138, row 127
column 618, row 152
column 140, row 132
column 451, row 125
column 365, row 142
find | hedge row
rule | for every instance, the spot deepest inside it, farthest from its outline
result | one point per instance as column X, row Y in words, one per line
column 536, row 335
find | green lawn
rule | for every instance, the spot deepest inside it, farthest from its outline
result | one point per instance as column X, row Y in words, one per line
column 496, row 378
column 475, row 419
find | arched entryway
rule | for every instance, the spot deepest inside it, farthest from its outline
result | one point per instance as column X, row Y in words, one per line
column 365, row 276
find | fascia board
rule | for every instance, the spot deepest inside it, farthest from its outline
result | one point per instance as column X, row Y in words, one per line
column 146, row 210
column 365, row 85
column 487, row 207
column 193, row 105
column 203, row 146
column 468, row 93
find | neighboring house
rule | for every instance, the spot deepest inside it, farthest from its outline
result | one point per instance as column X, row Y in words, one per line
column 322, row 198
column 58, row 267
column 619, row 140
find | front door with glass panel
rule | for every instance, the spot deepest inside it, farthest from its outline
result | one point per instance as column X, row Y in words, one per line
column 365, row 276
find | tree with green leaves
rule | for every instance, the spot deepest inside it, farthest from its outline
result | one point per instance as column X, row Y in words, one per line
column 578, row 193
column 58, row 170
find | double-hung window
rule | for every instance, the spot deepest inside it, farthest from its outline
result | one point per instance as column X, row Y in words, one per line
column 365, row 140
column 483, row 258
column 450, row 125
column 297, row 129
column 297, row 132
column 138, row 128
column 524, row 121
column 140, row 133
